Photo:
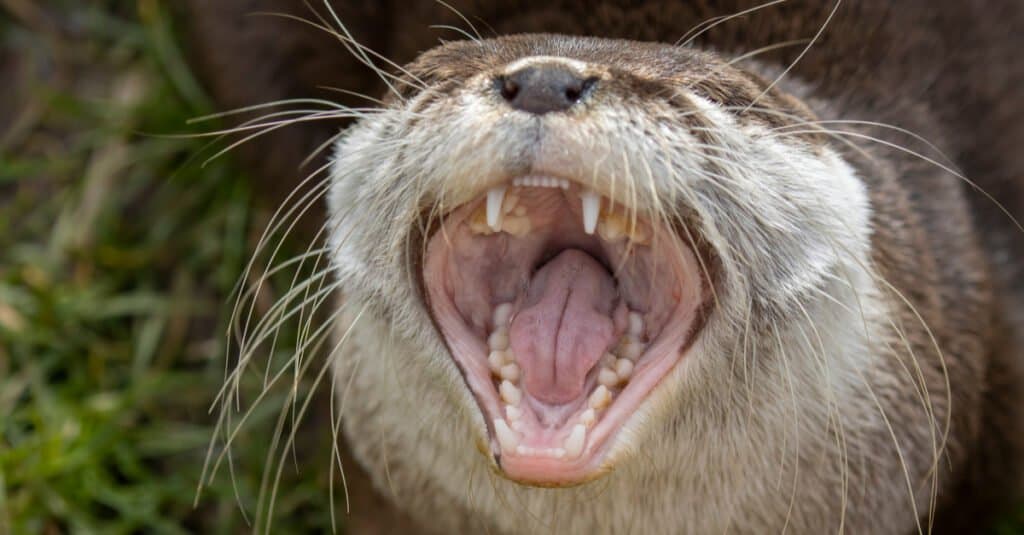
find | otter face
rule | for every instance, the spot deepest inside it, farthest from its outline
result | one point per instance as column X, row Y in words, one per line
column 595, row 243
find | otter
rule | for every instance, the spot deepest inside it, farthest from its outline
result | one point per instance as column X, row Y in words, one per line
column 661, row 266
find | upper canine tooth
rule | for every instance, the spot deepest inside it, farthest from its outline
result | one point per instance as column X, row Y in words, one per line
column 495, row 198
column 574, row 442
column 507, row 438
column 591, row 209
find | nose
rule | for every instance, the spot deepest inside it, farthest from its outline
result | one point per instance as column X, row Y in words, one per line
column 541, row 89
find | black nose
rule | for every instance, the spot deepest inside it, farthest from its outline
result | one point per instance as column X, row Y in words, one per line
column 544, row 88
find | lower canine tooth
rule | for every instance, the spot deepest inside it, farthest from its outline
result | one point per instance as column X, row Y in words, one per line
column 509, row 393
column 574, row 442
column 513, row 413
column 588, row 417
column 600, row 399
column 495, row 198
column 507, row 438
column 591, row 209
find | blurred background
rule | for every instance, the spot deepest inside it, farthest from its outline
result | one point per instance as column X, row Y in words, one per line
column 120, row 244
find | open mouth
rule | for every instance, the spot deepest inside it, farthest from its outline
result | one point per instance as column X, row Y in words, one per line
column 564, row 311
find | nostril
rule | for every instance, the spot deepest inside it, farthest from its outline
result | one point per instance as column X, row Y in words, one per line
column 575, row 91
column 508, row 88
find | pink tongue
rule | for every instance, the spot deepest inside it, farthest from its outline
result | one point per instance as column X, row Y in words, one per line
column 564, row 326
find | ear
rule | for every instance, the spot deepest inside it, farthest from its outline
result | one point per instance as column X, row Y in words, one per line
column 250, row 52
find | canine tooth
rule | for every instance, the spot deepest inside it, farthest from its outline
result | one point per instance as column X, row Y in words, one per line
column 502, row 313
column 513, row 413
column 507, row 438
column 600, row 399
column 591, row 209
column 510, row 372
column 608, row 360
column 521, row 450
column 558, row 453
column 588, row 417
column 574, row 442
column 495, row 198
column 517, row 182
column 563, row 183
column 636, row 324
column 498, row 340
column 509, row 393
column 624, row 369
column 607, row 377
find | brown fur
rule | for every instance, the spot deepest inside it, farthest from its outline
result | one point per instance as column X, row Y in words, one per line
column 949, row 71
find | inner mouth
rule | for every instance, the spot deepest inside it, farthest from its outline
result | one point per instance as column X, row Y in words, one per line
column 563, row 310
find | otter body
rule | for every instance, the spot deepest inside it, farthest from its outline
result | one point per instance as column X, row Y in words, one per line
column 838, row 190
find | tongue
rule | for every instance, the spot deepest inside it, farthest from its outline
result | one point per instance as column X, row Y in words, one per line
column 564, row 326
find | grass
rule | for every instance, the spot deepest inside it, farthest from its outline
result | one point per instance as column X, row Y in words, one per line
column 118, row 254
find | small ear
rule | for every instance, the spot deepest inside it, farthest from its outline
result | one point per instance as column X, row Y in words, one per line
column 250, row 52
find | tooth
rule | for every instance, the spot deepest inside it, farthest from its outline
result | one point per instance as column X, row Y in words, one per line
column 510, row 372
column 510, row 203
column 600, row 399
column 513, row 413
column 636, row 324
column 607, row 377
column 517, row 182
column 509, row 393
column 624, row 369
column 563, row 183
column 608, row 360
column 495, row 197
column 517, row 226
column 558, row 453
column 498, row 340
column 507, row 438
column 502, row 313
column 588, row 417
column 496, row 360
column 574, row 442
column 631, row 350
column 591, row 209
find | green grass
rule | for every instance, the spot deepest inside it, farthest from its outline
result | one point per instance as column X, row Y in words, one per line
column 118, row 252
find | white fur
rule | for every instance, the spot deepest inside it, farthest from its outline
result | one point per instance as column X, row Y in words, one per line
column 741, row 436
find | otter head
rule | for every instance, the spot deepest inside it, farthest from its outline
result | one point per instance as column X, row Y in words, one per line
column 565, row 258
